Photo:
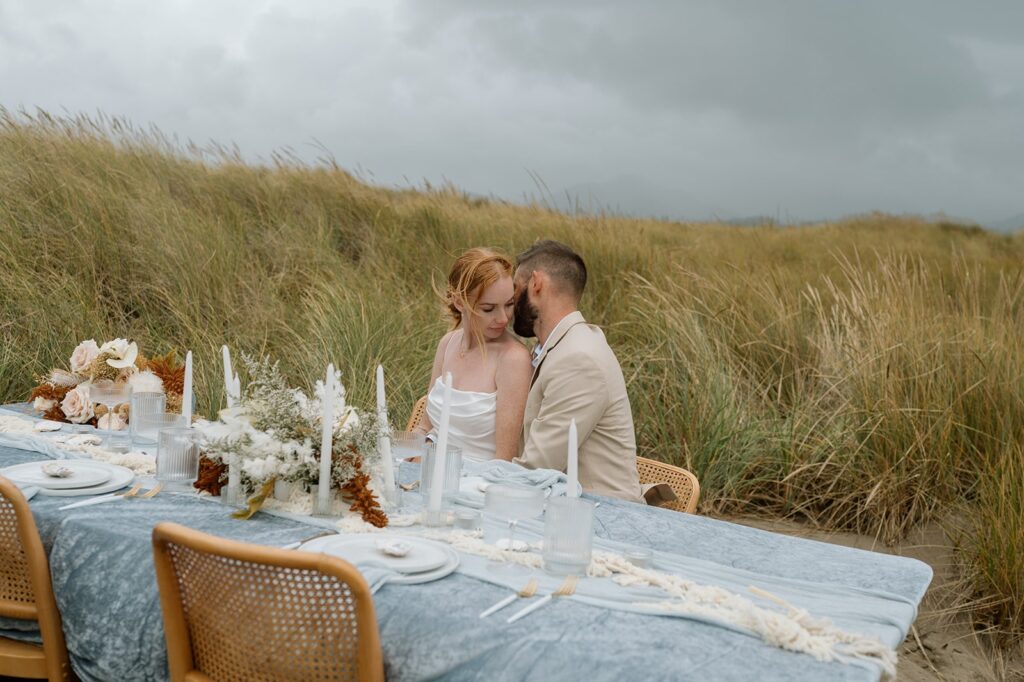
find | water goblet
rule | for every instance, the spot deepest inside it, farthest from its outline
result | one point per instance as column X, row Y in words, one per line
column 110, row 393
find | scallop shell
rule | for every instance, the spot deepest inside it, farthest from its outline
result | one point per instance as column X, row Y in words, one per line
column 57, row 470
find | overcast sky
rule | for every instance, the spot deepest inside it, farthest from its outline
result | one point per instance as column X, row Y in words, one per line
column 691, row 109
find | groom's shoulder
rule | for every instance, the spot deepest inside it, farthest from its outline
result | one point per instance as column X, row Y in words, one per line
column 584, row 337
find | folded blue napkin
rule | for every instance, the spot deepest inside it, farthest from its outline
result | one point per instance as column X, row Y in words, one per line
column 502, row 471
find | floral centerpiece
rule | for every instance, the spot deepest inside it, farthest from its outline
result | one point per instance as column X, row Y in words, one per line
column 272, row 434
column 63, row 394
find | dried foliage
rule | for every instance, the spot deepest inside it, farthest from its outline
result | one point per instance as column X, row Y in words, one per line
column 212, row 476
column 171, row 373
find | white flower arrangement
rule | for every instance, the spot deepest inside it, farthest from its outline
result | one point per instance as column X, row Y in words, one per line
column 273, row 433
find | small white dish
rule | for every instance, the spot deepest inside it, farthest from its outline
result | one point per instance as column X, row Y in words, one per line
column 424, row 556
column 77, row 474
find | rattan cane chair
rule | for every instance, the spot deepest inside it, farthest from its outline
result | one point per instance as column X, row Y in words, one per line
column 418, row 410
column 683, row 483
column 26, row 593
column 236, row 611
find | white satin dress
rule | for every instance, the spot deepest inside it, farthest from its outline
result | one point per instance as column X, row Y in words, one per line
column 471, row 421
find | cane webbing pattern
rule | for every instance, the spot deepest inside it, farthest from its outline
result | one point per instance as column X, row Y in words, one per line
column 15, row 580
column 683, row 483
column 251, row 621
column 417, row 413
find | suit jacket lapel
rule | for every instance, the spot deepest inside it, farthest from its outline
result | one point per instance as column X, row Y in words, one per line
column 568, row 322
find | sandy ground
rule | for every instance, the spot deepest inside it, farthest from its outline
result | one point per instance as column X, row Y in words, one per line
column 941, row 645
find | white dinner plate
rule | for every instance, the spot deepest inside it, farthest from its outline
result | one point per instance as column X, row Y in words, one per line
column 84, row 474
column 119, row 477
column 425, row 557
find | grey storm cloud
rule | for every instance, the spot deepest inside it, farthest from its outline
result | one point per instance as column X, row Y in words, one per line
column 685, row 109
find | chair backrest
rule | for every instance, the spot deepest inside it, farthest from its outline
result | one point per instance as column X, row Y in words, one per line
column 236, row 611
column 683, row 483
column 418, row 411
column 26, row 592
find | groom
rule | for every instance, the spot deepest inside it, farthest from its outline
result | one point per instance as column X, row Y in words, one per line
column 575, row 376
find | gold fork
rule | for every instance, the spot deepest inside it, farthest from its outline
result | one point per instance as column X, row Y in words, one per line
column 525, row 593
column 133, row 492
column 564, row 590
column 152, row 492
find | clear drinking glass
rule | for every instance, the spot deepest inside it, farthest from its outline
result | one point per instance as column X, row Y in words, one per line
column 510, row 504
column 452, row 474
column 568, row 535
column 143, row 403
column 177, row 457
column 109, row 393
column 407, row 444
column 149, row 425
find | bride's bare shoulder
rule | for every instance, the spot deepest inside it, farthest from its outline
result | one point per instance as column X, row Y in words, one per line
column 512, row 349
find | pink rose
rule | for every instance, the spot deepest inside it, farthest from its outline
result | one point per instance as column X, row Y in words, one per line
column 83, row 356
column 76, row 405
column 112, row 421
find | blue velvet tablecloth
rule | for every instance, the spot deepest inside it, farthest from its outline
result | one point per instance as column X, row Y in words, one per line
column 103, row 577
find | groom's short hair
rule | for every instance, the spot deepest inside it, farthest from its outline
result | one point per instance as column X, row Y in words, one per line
column 561, row 263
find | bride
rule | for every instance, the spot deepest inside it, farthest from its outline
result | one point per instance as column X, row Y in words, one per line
column 490, row 368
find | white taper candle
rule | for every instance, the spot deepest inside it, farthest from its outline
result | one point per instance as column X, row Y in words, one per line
column 384, row 442
column 441, row 449
column 572, row 468
column 186, row 395
column 229, row 382
column 326, row 440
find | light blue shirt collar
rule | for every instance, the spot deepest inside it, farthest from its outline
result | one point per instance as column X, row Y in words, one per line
column 539, row 350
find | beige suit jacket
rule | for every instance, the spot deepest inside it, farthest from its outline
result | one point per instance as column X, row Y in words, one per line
column 579, row 378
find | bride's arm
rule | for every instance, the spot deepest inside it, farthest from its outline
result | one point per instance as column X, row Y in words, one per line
column 513, row 381
column 425, row 426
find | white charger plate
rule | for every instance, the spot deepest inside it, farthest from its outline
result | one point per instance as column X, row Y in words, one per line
column 83, row 474
column 119, row 477
column 434, row 560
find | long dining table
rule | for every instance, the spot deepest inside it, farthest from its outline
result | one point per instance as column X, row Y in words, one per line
column 103, row 577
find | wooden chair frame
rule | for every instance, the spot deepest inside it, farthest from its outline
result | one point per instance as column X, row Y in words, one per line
column 418, row 410
column 23, row 659
column 180, row 657
column 683, row 483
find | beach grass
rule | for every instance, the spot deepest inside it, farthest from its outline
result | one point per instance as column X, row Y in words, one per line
column 862, row 375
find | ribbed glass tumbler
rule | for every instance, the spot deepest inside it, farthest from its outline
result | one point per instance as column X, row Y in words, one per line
column 568, row 535
column 177, row 457
column 144, row 403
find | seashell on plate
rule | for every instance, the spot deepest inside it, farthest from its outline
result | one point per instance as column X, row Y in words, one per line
column 47, row 425
column 393, row 547
column 57, row 470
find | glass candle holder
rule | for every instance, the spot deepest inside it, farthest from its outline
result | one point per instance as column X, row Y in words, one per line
column 568, row 535
column 177, row 457
column 142, row 404
column 452, row 474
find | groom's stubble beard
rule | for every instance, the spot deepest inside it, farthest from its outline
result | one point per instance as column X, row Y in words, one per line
column 525, row 316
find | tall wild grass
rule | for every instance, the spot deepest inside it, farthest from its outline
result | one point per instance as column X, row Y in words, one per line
column 864, row 375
